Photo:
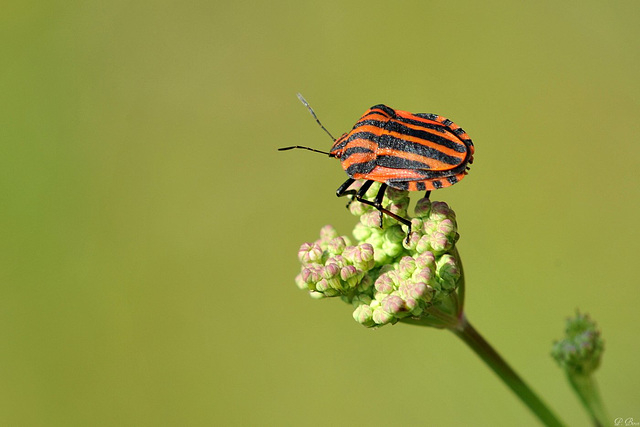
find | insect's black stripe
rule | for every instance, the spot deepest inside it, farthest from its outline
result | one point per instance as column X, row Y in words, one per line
column 420, row 186
column 436, row 126
column 436, row 184
column 373, row 113
column 388, row 141
column 388, row 110
column 428, row 116
column 402, row 185
column 452, row 179
column 370, row 122
column 353, row 150
column 396, row 162
column 421, row 134
column 362, row 167
column 358, row 135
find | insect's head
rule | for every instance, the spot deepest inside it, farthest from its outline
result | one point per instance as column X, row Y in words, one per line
column 338, row 147
column 334, row 152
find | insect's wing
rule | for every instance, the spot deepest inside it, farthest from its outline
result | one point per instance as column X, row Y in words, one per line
column 423, row 152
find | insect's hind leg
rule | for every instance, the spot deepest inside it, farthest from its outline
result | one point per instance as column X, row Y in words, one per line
column 427, row 194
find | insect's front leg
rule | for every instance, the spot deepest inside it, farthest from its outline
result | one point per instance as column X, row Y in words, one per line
column 342, row 190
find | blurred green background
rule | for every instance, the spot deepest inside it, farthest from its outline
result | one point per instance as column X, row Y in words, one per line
column 150, row 227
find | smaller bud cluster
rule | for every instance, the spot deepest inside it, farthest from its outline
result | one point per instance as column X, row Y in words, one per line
column 581, row 350
column 331, row 266
column 385, row 278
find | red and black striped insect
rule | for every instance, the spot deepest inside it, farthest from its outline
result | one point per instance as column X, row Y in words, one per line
column 407, row 151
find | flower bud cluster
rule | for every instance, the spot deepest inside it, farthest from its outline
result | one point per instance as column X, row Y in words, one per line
column 385, row 278
column 331, row 266
column 580, row 352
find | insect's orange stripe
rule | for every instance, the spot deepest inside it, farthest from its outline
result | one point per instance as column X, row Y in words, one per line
column 382, row 174
column 435, row 146
column 432, row 164
column 357, row 158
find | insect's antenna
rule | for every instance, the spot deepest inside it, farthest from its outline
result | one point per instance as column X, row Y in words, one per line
column 306, row 104
column 306, row 148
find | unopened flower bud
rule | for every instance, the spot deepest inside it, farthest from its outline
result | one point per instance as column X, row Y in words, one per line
column 330, row 270
column 327, row 233
column 423, row 207
column 580, row 352
column 310, row 253
column 384, row 284
column 440, row 210
column 312, row 273
column 438, row 242
column 406, row 267
column 363, row 314
column 380, row 316
column 392, row 304
column 448, row 271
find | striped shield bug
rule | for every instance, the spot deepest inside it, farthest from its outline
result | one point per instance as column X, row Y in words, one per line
column 402, row 150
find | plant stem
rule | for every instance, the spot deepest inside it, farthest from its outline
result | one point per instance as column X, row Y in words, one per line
column 482, row 348
column 586, row 388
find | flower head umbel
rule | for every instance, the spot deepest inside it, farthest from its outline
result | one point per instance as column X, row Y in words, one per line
column 384, row 277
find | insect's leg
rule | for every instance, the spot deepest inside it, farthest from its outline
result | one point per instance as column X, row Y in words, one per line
column 342, row 190
column 377, row 203
column 378, row 200
column 427, row 194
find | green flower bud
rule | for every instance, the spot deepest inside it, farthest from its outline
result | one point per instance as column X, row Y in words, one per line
column 448, row 272
column 423, row 275
column 371, row 219
column 363, row 314
column 423, row 207
column 328, row 233
column 446, row 227
column 312, row 273
column 581, row 350
column 440, row 210
column 439, row 242
column 336, row 245
column 300, row 282
column 337, row 260
column 413, row 290
column 365, row 283
column 396, row 196
column 423, row 244
column 390, row 241
column 361, row 256
column 361, row 232
column 317, row 295
column 384, row 284
column 310, row 253
column 381, row 317
column 351, row 275
column 399, row 208
column 426, row 260
column 406, row 267
column 392, row 304
column 358, row 209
